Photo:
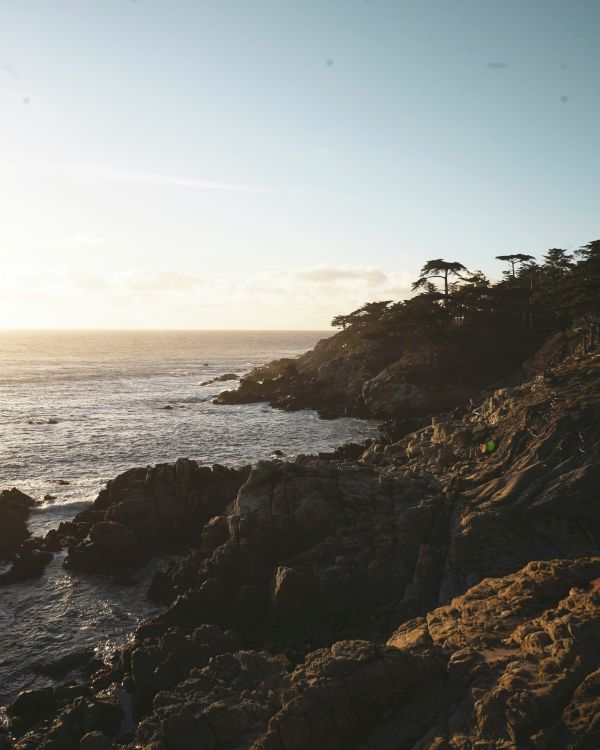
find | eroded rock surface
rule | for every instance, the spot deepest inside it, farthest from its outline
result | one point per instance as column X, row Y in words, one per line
column 148, row 511
column 384, row 376
column 423, row 596
column 536, row 496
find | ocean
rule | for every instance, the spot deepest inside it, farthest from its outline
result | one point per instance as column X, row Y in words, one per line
column 77, row 408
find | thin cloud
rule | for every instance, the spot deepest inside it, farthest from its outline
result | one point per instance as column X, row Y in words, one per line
column 165, row 281
column 329, row 274
column 301, row 297
column 113, row 174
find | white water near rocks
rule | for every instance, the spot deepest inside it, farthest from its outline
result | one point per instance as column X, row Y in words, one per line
column 77, row 408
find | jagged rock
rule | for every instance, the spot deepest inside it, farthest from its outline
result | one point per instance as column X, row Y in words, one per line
column 74, row 721
column 385, row 394
column 29, row 707
column 324, row 559
column 534, row 497
column 145, row 512
column 353, row 374
column 229, row 699
column 512, row 663
column 316, row 540
column 221, row 378
column 523, row 652
column 15, row 507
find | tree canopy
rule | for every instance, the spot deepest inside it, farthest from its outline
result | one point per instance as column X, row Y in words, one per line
column 532, row 297
column 514, row 259
column 438, row 269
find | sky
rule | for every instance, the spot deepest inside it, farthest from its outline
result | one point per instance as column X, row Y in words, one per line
column 258, row 164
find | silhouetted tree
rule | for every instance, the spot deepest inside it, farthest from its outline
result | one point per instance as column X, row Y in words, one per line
column 558, row 260
column 584, row 295
column 341, row 321
column 369, row 314
column 438, row 269
column 514, row 259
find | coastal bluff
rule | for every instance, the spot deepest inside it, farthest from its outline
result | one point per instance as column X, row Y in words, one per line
column 383, row 376
column 415, row 592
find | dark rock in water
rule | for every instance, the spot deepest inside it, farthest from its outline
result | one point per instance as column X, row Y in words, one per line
column 115, row 549
column 67, row 663
column 350, row 451
column 15, row 507
column 277, row 453
column 146, row 512
column 214, row 534
column 67, row 534
column 168, row 407
column 62, row 482
column 84, row 715
column 222, row 378
column 49, row 497
column 28, row 564
column 30, row 707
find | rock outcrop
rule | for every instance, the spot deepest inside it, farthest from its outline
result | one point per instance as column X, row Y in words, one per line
column 438, row 589
column 15, row 507
column 535, row 496
column 148, row 511
column 381, row 375
column 309, row 551
column 221, row 378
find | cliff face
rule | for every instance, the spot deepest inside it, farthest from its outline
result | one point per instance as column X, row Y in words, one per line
column 426, row 594
column 354, row 374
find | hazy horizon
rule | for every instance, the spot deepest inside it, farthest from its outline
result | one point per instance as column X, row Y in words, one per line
column 265, row 166
column 167, row 330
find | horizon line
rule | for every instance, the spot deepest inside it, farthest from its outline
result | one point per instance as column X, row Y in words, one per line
column 166, row 330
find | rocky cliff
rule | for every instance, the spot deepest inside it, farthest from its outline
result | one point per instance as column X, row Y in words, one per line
column 382, row 376
column 438, row 589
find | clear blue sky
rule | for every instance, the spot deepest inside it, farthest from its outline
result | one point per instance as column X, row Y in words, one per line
column 268, row 163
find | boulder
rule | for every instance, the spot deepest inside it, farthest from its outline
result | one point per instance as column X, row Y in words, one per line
column 146, row 512
column 117, row 549
column 29, row 707
column 15, row 507
column 28, row 564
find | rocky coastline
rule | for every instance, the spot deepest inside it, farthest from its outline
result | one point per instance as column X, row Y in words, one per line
column 412, row 592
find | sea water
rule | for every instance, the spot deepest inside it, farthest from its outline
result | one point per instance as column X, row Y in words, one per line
column 77, row 408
